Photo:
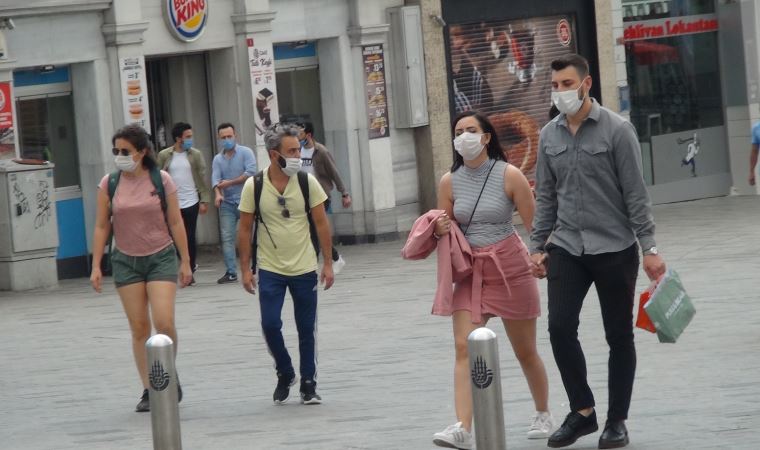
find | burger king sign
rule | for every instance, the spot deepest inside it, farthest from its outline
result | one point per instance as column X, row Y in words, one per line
column 186, row 18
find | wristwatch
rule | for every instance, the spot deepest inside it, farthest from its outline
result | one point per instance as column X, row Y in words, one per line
column 650, row 251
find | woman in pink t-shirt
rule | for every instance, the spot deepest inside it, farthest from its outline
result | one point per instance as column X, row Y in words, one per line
column 146, row 241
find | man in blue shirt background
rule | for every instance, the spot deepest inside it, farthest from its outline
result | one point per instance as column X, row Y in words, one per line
column 753, row 155
column 229, row 170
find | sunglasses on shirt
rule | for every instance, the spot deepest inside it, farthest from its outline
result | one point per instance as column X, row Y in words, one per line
column 285, row 212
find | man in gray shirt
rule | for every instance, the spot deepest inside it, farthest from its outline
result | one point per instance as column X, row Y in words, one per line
column 591, row 207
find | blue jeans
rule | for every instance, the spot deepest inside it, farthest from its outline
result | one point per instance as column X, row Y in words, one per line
column 303, row 289
column 229, row 216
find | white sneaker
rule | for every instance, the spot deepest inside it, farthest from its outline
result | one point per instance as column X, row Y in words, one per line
column 542, row 426
column 454, row 436
column 339, row 265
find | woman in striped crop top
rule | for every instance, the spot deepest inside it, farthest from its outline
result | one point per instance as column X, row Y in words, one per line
column 480, row 193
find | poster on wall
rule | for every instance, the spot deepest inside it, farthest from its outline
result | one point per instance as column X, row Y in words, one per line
column 502, row 69
column 134, row 91
column 374, row 82
column 7, row 130
column 263, row 86
column 689, row 154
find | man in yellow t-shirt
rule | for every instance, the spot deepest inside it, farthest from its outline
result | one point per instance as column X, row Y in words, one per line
column 286, row 258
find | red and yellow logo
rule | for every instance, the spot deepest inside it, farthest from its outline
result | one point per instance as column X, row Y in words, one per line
column 186, row 18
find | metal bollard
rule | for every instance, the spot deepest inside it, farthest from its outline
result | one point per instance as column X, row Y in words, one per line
column 486, row 390
column 164, row 408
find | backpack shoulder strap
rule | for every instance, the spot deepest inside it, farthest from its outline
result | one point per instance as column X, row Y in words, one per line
column 158, row 183
column 113, row 181
column 303, row 183
column 258, row 186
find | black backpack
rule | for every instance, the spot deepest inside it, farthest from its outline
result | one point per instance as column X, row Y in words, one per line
column 258, row 186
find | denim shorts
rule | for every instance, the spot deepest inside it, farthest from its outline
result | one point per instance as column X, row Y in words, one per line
column 160, row 266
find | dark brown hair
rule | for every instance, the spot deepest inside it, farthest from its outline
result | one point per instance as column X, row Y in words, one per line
column 577, row 61
column 493, row 147
column 140, row 140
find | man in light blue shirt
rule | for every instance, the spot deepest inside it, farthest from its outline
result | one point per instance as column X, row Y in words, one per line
column 229, row 170
column 753, row 155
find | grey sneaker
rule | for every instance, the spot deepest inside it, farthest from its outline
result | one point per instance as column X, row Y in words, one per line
column 309, row 394
column 282, row 391
column 541, row 426
column 144, row 405
column 339, row 265
column 454, row 436
column 227, row 278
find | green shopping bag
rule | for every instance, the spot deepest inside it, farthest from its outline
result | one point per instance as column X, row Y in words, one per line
column 670, row 307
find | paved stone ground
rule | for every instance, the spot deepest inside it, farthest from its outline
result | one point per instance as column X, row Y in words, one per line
column 68, row 381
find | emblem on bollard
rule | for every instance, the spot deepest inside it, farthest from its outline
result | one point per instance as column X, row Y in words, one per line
column 158, row 377
column 482, row 376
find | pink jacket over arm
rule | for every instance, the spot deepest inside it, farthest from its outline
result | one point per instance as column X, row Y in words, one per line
column 454, row 257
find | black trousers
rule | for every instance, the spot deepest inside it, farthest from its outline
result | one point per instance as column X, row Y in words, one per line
column 315, row 238
column 569, row 279
column 190, row 218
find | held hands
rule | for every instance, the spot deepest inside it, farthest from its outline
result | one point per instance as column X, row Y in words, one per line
column 249, row 281
column 96, row 279
column 442, row 225
column 654, row 266
column 538, row 265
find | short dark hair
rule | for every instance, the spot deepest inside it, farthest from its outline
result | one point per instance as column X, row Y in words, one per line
column 308, row 128
column 579, row 62
column 494, row 149
column 179, row 129
column 140, row 140
column 225, row 125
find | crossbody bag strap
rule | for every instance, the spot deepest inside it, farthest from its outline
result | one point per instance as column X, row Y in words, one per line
column 478, row 200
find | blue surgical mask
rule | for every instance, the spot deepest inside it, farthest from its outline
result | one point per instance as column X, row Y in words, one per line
column 228, row 143
column 304, row 143
column 187, row 144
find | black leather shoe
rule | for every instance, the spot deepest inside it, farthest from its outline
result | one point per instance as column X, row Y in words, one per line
column 574, row 426
column 615, row 435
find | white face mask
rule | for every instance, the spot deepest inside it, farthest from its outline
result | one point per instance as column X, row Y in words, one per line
column 292, row 166
column 468, row 145
column 125, row 163
column 568, row 102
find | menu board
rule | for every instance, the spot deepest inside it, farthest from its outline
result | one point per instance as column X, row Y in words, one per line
column 134, row 91
column 7, row 134
column 377, row 100
column 261, row 65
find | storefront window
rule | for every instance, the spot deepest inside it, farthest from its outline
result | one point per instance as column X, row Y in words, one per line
column 674, row 83
column 46, row 131
column 673, row 69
